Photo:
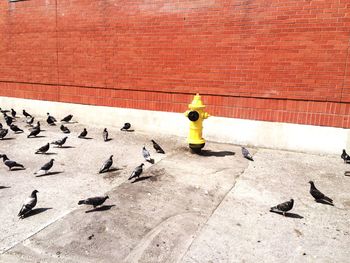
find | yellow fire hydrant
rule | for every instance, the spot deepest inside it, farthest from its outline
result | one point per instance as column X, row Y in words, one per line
column 196, row 115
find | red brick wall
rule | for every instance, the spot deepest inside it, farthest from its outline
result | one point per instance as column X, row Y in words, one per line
column 285, row 61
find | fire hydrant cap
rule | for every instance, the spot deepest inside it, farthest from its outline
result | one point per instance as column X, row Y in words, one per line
column 196, row 103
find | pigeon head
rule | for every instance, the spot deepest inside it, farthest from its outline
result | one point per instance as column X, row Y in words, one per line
column 105, row 130
column 311, row 182
column 52, row 160
column 111, row 156
column 344, row 151
column 48, row 114
column 142, row 164
column 34, row 193
column 4, row 156
column 107, row 197
column 292, row 200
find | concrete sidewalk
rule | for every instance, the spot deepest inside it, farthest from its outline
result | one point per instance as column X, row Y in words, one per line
column 188, row 208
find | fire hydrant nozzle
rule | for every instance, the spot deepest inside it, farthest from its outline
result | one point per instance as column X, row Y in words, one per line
column 196, row 115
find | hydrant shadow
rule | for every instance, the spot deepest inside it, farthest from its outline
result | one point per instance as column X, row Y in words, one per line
column 216, row 153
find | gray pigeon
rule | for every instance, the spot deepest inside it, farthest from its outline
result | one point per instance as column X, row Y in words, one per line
column 283, row 207
column 43, row 149
column 15, row 128
column 28, row 204
column 83, row 133
column 317, row 194
column 137, row 172
column 10, row 164
column 94, row 201
column 30, row 121
column 50, row 119
column 126, row 126
column 26, row 114
column 105, row 135
column 157, row 147
column 107, row 165
column 60, row 143
column 34, row 132
column 8, row 119
column 46, row 167
column 64, row 129
column 246, row 154
column 147, row 155
column 3, row 133
column 67, row 118
column 345, row 156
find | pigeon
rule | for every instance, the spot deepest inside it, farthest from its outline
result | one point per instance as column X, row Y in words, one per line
column 15, row 128
column 30, row 121
column 317, row 194
column 43, row 149
column 83, row 133
column 13, row 113
column 105, row 135
column 94, row 201
column 64, row 129
column 46, row 167
column 26, row 114
column 283, row 207
column 28, row 204
column 34, row 132
column 10, row 164
column 1, row 125
column 60, row 143
column 4, row 111
column 246, row 154
column 50, row 119
column 8, row 119
column 3, row 133
column 146, row 155
column 345, row 156
column 107, row 164
column 157, row 147
column 67, row 118
column 126, row 126
column 137, row 172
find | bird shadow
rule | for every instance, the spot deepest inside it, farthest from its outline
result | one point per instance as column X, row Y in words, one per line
column 38, row 136
column 324, row 202
column 85, row 138
column 47, row 153
column 7, row 139
column 347, row 173
column 63, row 147
column 113, row 169
column 36, row 211
column 128, row 130
column 19, row 132
column 109, row 139
column 141, row 179
column 150, row 161
column 49, row 173
column 17, row 169
column 291, row 215
column 4, row 187
column 69, row 122
column 216, row 153
column 100, row 208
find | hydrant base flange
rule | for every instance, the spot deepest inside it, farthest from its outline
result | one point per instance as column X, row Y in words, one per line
column 196, row 147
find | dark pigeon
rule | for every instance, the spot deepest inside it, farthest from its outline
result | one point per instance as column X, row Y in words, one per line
column 126, row 126
column 67, row 118
column 137, row 172
column 28, row 204
column 26, row 114
column 34, row 132
column 15, row 128
column 345, row 157
column 60, row 143
column 50, row 119
column 94, row 201
column 10, row 164
column 246, row 154
column 46, row 167
column 43, row 149
column 8, row 119
column 283, row 207
column 1, row 125
column 13, row 113
column 147, row 155
column 3, row 133
column 157, row 147
column 105, row 135
column 83, row 133
column 317, row 194
column 107, row 165
column 64, row 129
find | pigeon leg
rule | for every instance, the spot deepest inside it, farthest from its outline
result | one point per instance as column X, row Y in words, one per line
column 284, row 213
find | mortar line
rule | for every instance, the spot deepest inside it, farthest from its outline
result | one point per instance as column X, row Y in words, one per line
column 213, row 211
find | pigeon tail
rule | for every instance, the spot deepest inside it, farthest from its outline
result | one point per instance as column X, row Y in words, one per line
column 326, row 198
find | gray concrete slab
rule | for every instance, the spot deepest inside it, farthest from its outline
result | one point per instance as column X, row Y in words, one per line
column 188, row 208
